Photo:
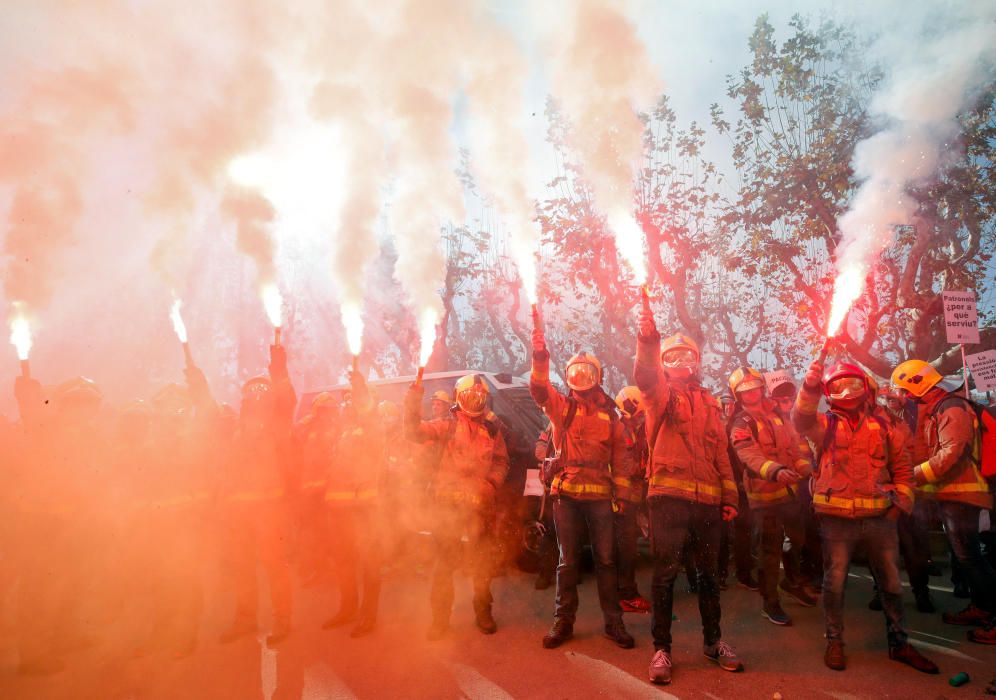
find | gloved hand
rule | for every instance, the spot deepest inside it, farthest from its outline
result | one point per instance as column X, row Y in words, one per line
column 539, row 340
column 278, row 360
column 195, row 378
column 786, row 476
column 27, row 391
column 619, row 507
column 814, row 375
column 729, row 513
column 648, row 327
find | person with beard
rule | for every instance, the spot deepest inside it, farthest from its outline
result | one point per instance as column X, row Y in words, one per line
column 255, row 493
column 690, row 487
column 352, row 494
column 863, row 482
column 473, row 463
column 594, row 479
column 768, row 448
column 948, row 472
column 316, row 436
column 627, row 525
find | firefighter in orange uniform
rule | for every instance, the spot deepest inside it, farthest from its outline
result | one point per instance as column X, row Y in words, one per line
column 473, row 464
column 627, row 525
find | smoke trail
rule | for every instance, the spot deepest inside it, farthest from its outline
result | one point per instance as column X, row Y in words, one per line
column 932, row 79
column 602, row 77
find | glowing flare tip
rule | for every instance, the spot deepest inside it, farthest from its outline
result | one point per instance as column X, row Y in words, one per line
column 847, row 288
column 272, row 303
column 629, row 243
column 427, row 336
column 352, row 321
column 20, row 337
column 179, row 327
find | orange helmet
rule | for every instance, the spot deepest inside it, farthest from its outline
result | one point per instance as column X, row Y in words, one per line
column 79, row 390
column 442, row 396
column 630, row 401
column 680, row 355
column 745, row 379
column 916, row 376
column 472, row 395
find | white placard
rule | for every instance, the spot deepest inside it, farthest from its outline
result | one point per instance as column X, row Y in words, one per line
column 534, row 487
column 961, row 317
column 983, row 366
column 779, row 376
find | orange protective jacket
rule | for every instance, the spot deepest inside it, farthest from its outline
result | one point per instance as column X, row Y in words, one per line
column 357, row 467
column 864, row 469
column 948, row 469
column 765, row 443
column 687, row 434
column 598, row 459
column 473, row 460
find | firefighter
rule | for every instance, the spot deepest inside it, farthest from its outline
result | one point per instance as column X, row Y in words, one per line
column 473, row 464
column 863, row 482
column 441, row 404
column 947, row 471
column 255, row 493
column 690, row 486
column 627, row 525
column 316, row 437
column 773, row 468
column 595, row 477
column 352, row 493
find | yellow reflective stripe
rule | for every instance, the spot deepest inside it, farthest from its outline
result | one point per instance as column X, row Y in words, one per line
column 873, row 425
column 804, row 446
column 769, row 496
column 623, row 481
column 906, row 491
column 350, row 495
column 603, row 415
column 257, row 495
column 955, row 488
column 459, row 496
column 777, row 421
column 693, row 486
column 801, row 462
column 928, row 473
column 571, row 487
column 179, row 500
column 729, row 485
column 766, row 468
column 853, row 503
column 313, row 484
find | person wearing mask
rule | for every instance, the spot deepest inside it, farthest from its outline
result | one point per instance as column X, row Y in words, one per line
column 690, row 486
column 863, row 483
column 472, row 466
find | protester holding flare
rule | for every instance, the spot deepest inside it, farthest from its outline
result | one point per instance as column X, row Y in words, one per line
column 863, row 482
column 690, row 489
column 473, row 464
column 594, row 477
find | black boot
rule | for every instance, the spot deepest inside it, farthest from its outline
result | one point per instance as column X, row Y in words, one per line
column 924, row 603
column 558, row 634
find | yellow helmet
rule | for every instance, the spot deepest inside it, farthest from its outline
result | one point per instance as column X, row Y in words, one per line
column 680, row 352
column 472, row 394
column 442, row 396
column 584, row 371
column 630, row 401
column 915, row 376
column 745, row 379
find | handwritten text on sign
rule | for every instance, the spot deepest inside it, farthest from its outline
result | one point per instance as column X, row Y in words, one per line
column 961, row 318
column 983, row 366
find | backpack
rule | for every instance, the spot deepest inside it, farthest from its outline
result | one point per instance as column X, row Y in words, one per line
column 986, row 417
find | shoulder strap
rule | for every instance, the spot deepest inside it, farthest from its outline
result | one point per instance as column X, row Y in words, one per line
column 572, row 411
column 830, row 436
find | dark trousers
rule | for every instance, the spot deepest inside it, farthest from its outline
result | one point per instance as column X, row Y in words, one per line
column 260, row 534
column 879, row 536
column 811, row 555
column 450, row 522
column 627, row 532
column 771, row 526
column 736, row 541
column 914, row 544
column 671, row 519
column 961, row 525
column 356, row 557
column 570, row 516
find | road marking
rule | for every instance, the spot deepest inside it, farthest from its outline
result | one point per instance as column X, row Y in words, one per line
column 841, row 696
column 267, row 668
column 615, row 681
column 943, row 589
column 944, row 650
column 934, row 636
column 474, row 685
column 322, row 683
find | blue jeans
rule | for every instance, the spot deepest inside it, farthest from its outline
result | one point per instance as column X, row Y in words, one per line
column 840, row 538
column 570, row 516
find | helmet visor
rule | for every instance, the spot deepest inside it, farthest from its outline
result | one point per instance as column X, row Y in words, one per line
column 582, row 376
column 473, row 400
column 750, row 383
column 680, row 357
column 845, row 388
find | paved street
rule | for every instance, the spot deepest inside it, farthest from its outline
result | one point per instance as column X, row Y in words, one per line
column 397, row 662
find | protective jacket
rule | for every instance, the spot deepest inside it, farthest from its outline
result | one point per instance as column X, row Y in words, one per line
column 473, row 458
column 597, row 457
column 864, row 466
column 948, row 469
column 357, row 466
column 765, row 444
column 686, row 433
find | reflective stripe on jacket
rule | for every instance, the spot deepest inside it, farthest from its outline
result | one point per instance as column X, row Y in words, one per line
column 949, row 468
column 765, row 443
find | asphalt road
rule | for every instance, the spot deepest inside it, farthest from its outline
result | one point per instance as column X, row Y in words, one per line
column 396, row 661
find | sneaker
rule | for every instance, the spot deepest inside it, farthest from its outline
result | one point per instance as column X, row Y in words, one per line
column 558, row 634
column 834, row 657
column 748, row 582
column 907, row 654
column 774, row 613
column 639, row 604
column 799, row 593
column 985, row 635
column 924, row 603
column 660, row 668
column 618, row 634
column 969, row 617
column 724, row 655
column 875, row 603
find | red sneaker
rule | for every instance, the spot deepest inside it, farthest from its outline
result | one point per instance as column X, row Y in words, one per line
column 986, row 635
column 969, row 617
column 639, row 604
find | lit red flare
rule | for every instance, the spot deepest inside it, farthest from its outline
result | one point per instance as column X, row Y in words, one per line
column 179, row 327
column 352, row 321
column 629, row 242
column 20, row 337
column 273, row 304
column 846, row 290
column 427, row 335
